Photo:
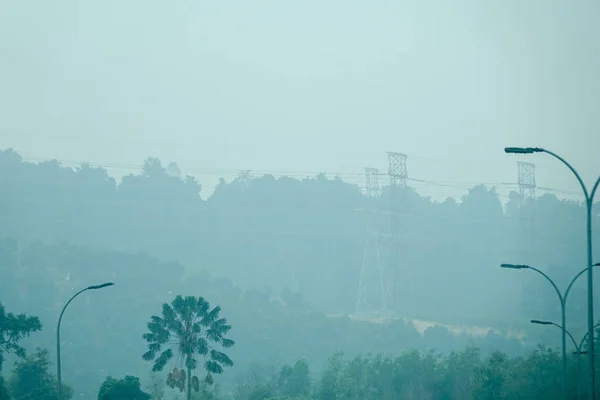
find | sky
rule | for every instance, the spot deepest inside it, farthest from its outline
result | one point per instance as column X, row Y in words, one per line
column 303, row 87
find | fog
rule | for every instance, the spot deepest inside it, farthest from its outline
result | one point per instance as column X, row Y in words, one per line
column 218, row 151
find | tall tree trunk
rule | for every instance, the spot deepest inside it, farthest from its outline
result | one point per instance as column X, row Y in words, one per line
column 189, row 384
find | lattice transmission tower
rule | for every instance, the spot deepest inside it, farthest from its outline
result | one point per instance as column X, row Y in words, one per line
column 371, row 296
column 527, row 186
column 398, row 175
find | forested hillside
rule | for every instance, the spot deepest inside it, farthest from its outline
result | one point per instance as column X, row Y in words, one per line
column 281, row 257
column 306, row 235
column 102, row 331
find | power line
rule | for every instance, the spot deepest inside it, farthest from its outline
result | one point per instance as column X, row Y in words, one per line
column 305, row 174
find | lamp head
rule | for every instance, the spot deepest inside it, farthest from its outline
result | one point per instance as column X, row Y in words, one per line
column 522, row 150
column 100, row 286
column 513, row 266
column 538, row 322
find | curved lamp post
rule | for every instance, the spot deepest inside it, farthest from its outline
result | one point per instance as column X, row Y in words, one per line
column 563, row 311
column 578, row 347
column 589, row 202
column 579, row 351
column 58, row 371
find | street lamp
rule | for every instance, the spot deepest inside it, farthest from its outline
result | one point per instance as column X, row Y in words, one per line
column 578, row 347
column 589, row 202
column 58, row 372
column 579, row 351
column 563, row 311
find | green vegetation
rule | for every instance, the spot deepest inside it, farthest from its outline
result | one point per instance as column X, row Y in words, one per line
column 31, row 380
column 281, row 257
column 127, row 388
column 307, row 235
column 187, row 328
column 14, row 328
column 463, row 374
column 276, row 327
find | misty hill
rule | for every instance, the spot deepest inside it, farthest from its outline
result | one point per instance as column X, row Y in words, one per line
column 102, row 330
column 306, row 235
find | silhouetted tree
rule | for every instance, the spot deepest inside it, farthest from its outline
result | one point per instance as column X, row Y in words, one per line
column 13, row 328
column 30, row 379
column 187, row 328
column 127, row 388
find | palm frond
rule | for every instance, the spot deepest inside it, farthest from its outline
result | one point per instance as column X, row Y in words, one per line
column 162, row 336
column 191, row 362
column 221, row 326
column 158, row 330
column 213, row 367
column 148, row 337
column 177, row 302
column 149, row 355
column 190, row 307
column 211, row 317
column 202, row 306
column 184, row 307
column 221, row 358
column 196, row 327
column 202, row 346
column 155, row 326
column 171, row 319
column 227, row 343
column 220, row 322
column 213, row 335
column 162, row 360
column 153, row 348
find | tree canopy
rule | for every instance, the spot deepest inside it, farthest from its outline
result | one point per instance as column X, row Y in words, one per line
column 127, row 388
column 307, row 234
column 283, row 257
column 279, row 327
column 13, row 328
column 31, row 379
column 188, row 329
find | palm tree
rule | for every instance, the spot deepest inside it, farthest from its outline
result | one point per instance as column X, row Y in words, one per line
column 186, row 330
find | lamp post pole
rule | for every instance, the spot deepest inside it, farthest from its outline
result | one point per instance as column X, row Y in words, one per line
column 58, row 369
column 589, row 202
column 578, row 347
column 563, row 313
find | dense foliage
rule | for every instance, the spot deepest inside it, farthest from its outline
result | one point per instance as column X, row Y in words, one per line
column 276, row 327
column 419, row 375
column 128, row 388
column 31, row 379
column 307, row 235
column 4, row 395
column 282, row 258
column 13, row 328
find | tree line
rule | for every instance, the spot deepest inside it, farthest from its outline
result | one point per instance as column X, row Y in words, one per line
column 282, row 257
column 188, row 334
column 184, row 333
column 307, row 235
column 277, row 327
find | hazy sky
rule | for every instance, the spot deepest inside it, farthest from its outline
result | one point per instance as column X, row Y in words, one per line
column 305, row 86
